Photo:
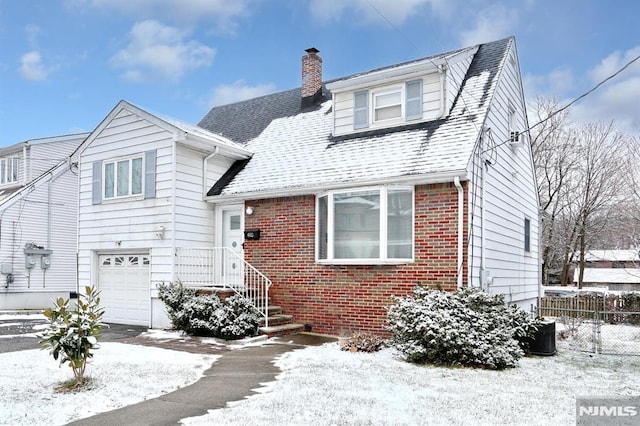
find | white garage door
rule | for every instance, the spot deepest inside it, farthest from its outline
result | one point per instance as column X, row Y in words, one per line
column 124, row 285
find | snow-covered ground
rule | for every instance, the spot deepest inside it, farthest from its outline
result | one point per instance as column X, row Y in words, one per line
column 323, row 385
column 121, row 375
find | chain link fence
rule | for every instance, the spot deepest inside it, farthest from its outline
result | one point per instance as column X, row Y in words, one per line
column 603, row 332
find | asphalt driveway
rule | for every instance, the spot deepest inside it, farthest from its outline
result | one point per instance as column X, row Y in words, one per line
column 19, row 334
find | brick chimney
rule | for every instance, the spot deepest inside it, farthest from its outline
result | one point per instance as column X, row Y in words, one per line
column 311, row 77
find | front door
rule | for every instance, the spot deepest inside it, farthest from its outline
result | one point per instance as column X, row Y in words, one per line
column 232, row 239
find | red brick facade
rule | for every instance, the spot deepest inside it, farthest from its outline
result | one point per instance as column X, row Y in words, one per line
column 342, row 298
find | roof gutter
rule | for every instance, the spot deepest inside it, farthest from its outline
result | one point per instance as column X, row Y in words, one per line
column 292, row 192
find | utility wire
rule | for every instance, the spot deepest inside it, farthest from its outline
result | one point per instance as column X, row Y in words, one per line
column 585, row 94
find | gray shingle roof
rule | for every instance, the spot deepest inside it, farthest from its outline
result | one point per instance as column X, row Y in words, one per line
column 296, row 149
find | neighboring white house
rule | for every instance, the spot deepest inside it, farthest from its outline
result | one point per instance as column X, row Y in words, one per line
column 140, row 198
column 38, row 221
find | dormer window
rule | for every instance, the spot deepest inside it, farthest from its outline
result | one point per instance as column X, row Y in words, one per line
column 8, row 170
column 389, row 105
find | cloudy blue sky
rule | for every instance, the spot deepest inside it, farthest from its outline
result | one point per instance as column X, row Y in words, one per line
column 64, row 64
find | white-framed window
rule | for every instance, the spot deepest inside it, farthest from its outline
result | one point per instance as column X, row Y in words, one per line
column 387, row 104
column 368, row 225
column 8, row 170
column 123, row 177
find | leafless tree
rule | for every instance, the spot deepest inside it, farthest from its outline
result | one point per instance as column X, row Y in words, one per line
column 602, row 181
column 554, row 155
column 583, row 177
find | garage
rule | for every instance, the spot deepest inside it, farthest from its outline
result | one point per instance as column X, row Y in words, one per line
column 123, row 281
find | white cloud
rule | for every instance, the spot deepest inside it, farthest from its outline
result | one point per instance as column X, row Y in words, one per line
column 557, row 83
column 222, row 12
column 32, row 68
column 157, row 51
column 491, row 24
column 369, row 11
column 614, row 62
column 617, row 99
column 617, row 102
column 33, row 31
column 237, row 91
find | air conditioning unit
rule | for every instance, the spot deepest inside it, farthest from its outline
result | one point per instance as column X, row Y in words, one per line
column 516, row 138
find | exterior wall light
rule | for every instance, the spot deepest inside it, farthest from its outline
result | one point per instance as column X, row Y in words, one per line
column 249, row 211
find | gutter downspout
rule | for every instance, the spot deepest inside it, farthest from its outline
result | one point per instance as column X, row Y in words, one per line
column 456, row 182
column 205, row 162
column 25, row 178
column 484, row 278
column 442, row 74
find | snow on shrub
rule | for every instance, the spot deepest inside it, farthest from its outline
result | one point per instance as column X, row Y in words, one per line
column 207, row 315
column 467, row 327
column 72, row 333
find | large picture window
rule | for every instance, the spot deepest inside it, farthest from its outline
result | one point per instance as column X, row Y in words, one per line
column 373, row 225
column 123, row 178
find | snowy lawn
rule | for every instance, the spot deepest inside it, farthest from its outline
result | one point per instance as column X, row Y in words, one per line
column 323, row 385
column 121, row 375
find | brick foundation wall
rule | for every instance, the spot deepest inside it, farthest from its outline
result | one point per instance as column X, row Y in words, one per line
column 341, row 298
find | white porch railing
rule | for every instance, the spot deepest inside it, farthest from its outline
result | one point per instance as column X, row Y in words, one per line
column 222, row 267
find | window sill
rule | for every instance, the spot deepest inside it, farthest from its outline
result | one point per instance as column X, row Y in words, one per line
column 122, row 199
column 365, row 262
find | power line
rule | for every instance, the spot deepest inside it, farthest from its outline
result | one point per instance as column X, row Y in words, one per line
column 585, row 94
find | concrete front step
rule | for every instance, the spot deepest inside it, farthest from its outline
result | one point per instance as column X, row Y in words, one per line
column 277, row 320
column 279, row 330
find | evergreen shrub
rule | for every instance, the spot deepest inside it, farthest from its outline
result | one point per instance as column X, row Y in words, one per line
column 207, row 315
column 467, row 327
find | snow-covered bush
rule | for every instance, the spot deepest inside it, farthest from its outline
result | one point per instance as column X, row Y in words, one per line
column 467, row 327
column 174, row 296
column 72, row 334
column 207, row 315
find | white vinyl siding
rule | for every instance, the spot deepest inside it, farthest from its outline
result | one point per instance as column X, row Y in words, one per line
column 42, row 156
column 510, row 195
column 177, row 216
column 130, row 224
column 194, row 217
column 46, row 216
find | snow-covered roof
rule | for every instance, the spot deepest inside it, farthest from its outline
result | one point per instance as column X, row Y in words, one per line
column 186, row 133
column 296, row 150
column 612, row 255
column 609, row 275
